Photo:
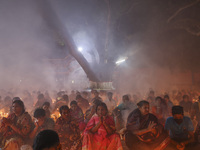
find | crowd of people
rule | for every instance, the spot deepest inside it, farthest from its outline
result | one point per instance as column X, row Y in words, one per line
column 99, row 120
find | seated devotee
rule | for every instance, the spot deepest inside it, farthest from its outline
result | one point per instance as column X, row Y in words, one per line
column 152, row 94
column 47, row 97
column 46, row 107
column 41, row 122
column 47, row 140
column 59, row 102
column 40, row 100
column 68, row 130
column 122, row 111
column 142, row 128
column 72, row 95
column 85, row 95
column 161, row 110
column 169, row 105
column 186, row 104
column 100, row 132
column 15, row 129
column 180, row 129
column 77, row 115
column 91, row 111
column 196, row 110
column 126, row 104
column 65, row 98
column 82, row 103
column 110, row 102
column 96, row 96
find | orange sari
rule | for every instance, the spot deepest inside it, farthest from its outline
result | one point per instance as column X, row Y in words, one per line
column 100, row 140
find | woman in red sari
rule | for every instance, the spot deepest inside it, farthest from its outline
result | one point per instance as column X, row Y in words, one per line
column 100, row 132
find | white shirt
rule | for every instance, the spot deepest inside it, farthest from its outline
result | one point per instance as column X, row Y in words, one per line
column 111, row 104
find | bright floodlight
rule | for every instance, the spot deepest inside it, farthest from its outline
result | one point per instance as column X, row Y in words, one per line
column 120, row 61
column 80, row 49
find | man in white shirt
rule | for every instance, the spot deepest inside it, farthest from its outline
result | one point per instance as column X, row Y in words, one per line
column 111, row 104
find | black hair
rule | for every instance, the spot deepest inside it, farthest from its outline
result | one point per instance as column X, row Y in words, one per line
column 65, row 97
column 125, row 97
column 46, row 139
column 62, row 108
column 162, row 101
column 85, row 93
column 39, row 112
column 78, row 96
column 46, row 104
column 20, row 103
column 40, row 96
column 158, row 97
column 60, row 94
column 141, row 103
column 166, row 96
column 103, row 105
column 97, row 102
column 15, row 98
column 73, row 102
column 185, row 96
column 177, row 110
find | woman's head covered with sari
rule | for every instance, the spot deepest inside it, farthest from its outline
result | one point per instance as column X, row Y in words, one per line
column 65, row 112
column 101, row 109
column 18, row 107
column 143, row 106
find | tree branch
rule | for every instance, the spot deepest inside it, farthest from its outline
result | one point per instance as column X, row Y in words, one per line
column 181, row 9
column 191, row 26
column 189, row 30
column 107, row 26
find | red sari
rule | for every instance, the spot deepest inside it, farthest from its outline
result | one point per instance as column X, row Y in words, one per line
column 100, row 140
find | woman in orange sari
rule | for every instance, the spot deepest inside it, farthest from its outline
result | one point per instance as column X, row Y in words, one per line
column 100, row 132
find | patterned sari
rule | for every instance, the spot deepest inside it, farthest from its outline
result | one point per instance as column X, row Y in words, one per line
column 78, row 117
column 11, row 139
column 101, row 140
column 136, row 122
column 69, row 134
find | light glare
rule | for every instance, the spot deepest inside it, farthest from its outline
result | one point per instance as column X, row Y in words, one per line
column 80, row 49
column 120, row 61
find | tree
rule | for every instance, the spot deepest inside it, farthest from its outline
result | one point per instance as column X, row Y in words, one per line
column 119, row 23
